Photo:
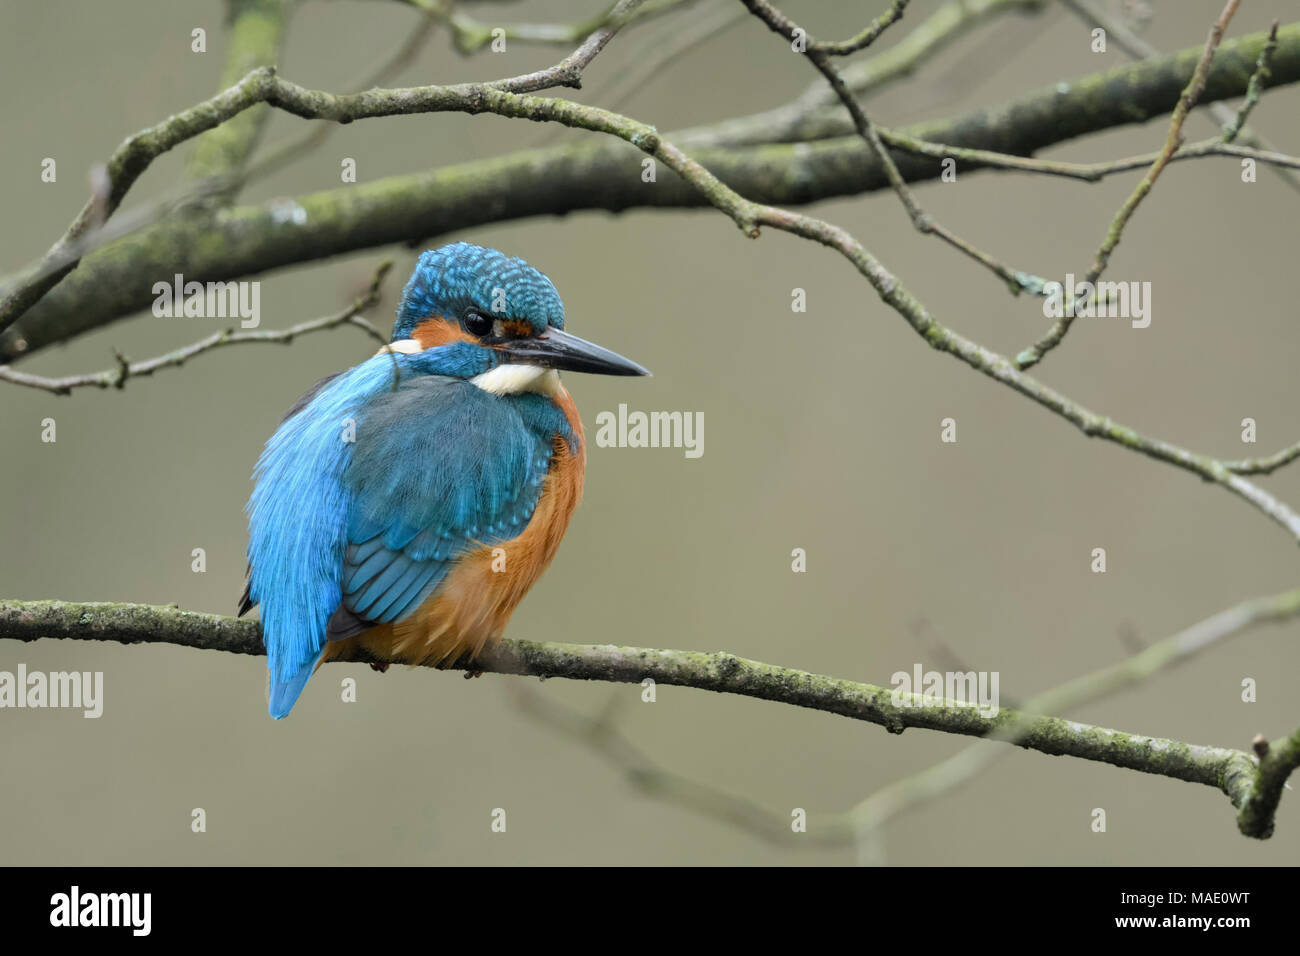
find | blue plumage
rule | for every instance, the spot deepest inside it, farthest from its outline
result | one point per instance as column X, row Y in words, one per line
column 439, row 466
column 449, row 280
column 297, row 520
column 384, row 475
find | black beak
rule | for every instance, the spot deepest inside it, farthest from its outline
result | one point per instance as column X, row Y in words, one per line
column 558, row 349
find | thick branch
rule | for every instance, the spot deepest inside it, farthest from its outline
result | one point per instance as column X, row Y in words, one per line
column 255, row 35
column 1253, row 787
column 1259, row 799
column 863, row 824
column 263, row 86
column 600, row 175
column 717, row 671
column 1136, row 46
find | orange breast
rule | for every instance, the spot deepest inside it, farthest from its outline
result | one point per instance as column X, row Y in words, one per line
column 473, row 604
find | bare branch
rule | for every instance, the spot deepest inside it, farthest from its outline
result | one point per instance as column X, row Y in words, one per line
column 645, row 775
column 471, row 35
column 1016, row 280
column 286, row 153
column 1264, row 466
column 587, row 176
column 913, row 791
column 262, row 85
column 787, row 28
column 116, row 378
column 1218, row 767
column 1137, row 47
column 862, row 825
column 1254, row 88
column 1258, row 801
column 255, row 36
column 1173, row 140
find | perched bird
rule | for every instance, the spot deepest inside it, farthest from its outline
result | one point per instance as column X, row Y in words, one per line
column 406, row 505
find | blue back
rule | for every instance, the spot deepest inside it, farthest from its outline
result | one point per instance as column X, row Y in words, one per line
column 344, row 534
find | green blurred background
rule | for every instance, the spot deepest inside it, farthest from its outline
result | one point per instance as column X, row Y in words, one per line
column 821, row 432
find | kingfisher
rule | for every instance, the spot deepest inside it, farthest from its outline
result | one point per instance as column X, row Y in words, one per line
column 406, row 505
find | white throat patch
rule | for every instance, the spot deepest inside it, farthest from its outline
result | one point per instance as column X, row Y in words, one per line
column 512, row 379
column 502, row 380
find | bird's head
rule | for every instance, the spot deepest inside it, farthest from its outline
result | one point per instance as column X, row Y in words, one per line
column 499, row 312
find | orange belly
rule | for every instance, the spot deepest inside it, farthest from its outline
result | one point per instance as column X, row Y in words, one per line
column 473, row 604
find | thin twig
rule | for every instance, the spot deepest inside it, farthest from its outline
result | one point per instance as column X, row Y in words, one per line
column 664, row 785
column 287, row 153
column 1266, row 465
column 1015, row 279
column 471, row 35
column 583, row 176
column 263, row 85
column 116, row 378
column 1139, row 48
column 1254, row 89
column 1173, row 140
column 749, row 216
column 799, row 121
column 911, row 792
column 1088, row 172
column 783, row 25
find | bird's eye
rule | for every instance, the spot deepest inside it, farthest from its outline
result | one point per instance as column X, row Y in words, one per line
column 476, row 323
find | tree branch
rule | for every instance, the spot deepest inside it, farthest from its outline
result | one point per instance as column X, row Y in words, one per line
column 1264, row 466
column 254, row 38
column 1173, row 140
column 1136, row 46
column 249, row 240
column 819, row 54
column 1258, row 798
column 471, row 35
column 864, row 823
column 117, row 378
column 263, row 85
column 1252, row 787
column 910, row 792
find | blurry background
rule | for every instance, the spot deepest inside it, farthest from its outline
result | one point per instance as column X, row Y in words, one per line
column 821, row 432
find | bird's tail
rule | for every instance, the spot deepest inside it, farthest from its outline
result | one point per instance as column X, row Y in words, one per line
column 284, row 693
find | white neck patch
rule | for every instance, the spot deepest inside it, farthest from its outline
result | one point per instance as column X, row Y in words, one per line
column 403, row 346
column 502, row 380
column 512, row 379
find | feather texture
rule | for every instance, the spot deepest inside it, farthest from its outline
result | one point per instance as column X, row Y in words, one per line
column 346, row 534
column 379, row 498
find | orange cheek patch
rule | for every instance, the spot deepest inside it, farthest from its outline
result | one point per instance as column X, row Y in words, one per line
column 516, row 327
column 436, row 330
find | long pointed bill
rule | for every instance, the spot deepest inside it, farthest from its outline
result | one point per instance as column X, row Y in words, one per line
column 557, row 349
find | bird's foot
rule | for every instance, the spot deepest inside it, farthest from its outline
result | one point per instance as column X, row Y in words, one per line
column 380, row 666
column 472, row 674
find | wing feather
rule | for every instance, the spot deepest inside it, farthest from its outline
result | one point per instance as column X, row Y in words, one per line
column 344, row 534
column 439, row 469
